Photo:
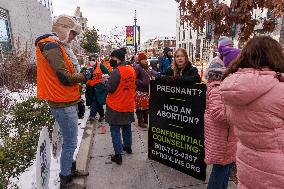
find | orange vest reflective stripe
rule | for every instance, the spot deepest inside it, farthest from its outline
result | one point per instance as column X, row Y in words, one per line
column 123, row 99
column 98, row 76
column 107, row 65
column 48, row 85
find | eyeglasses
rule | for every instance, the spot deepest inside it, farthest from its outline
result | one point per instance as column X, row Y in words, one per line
column 93, row 60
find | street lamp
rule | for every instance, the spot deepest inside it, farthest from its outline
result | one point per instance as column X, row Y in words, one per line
column 135, row 32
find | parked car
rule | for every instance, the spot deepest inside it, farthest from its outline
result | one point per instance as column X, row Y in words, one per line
column 152, row 59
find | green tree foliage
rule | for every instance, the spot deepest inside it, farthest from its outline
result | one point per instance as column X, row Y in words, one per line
column 19, row 132
column 89, row 41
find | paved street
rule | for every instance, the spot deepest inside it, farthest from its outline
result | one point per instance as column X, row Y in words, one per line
column 137, row 171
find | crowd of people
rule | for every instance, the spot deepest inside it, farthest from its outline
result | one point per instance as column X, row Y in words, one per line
column 243, row 119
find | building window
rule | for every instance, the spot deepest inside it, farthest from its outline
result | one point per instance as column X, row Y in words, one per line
column 47, row 4
column 5, row 34
column 269, row 14
column 83, row 26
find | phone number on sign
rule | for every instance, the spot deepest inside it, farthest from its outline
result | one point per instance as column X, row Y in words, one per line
column 176, row 153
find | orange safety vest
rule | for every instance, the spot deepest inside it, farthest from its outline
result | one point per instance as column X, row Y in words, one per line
column 98, row 76
column 123, row 99
column 48, row 85
column 107, row 65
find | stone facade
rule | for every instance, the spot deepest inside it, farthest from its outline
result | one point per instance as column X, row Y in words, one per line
column 78, row 50
column 27, row 20
column 199, row 45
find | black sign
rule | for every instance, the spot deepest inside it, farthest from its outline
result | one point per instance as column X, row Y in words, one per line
column 176, row 127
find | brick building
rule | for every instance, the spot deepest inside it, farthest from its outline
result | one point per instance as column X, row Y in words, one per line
column 154, row 47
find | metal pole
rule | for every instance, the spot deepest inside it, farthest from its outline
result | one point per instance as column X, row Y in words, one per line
column 135, row 32
column 192, row 53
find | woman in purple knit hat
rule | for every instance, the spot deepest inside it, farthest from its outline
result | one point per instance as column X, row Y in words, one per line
column 228, row 54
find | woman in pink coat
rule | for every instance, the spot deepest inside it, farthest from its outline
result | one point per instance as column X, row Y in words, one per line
column 253, row 92
column 220, row 141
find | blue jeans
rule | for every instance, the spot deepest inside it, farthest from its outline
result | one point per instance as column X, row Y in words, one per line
column 219, row 177
column 96, row 107
column 116, row 137
column 67, row 119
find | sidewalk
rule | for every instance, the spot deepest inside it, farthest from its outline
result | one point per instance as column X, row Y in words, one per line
column 136, row 171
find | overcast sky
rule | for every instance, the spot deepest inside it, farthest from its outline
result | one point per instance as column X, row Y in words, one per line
column 156, row 17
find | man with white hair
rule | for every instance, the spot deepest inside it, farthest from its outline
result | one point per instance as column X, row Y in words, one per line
column 58, row 81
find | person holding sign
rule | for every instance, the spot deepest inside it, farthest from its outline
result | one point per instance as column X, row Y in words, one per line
column 253, row 94
column 143, row 76
column 181, row 69
column 120, row 103
column 58, row 81
column 220, row 141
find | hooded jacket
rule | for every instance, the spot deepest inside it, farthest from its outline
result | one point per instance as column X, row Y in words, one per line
column 254, row 107
column 228, row 54
column 52, row 52
column 220, row 141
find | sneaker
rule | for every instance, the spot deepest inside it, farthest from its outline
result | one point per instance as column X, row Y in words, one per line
column 91, row 118
column 65, row 181
column 117, row 158
column 127, row 149
column 101, row 118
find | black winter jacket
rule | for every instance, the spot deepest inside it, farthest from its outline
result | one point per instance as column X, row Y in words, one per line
column 189, row 75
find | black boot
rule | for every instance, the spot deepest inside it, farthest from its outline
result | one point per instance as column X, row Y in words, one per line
column 139, row 115
column 73, row 167
column 101, row 113
column 77, row 173
column 145, row 117
column 65, row 181
column 117, row 158
column 127, row 149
